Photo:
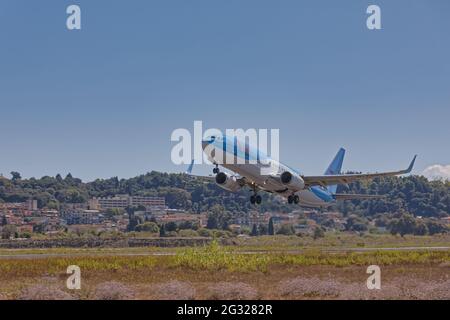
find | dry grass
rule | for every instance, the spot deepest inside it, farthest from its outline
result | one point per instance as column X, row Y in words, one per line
column 175, row 290
column 341, row 240
column 44, row 292
column 113, row 291
column 300, row 282
column 214, row 272
column 309, row 287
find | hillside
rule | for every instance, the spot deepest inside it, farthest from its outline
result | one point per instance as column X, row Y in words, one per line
column 414, row 194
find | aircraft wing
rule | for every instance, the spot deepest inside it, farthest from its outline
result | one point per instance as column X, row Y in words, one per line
column 203, row 178
column 326, row 180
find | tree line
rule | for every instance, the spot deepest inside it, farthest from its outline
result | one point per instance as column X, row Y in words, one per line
column 413, row 194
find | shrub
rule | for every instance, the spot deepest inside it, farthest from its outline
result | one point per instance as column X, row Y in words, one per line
column 286, row 229
column 232, row 291
column 440, row 290
column 188, row 233
column 222, row 234
column 171, row 234
column 204, row 232
column 309, row 287
column 418, row 290
column 147, row 227
column 359, row 291
column 175, row 290
column 318, row 233
column 44, row 292
column 113, row 291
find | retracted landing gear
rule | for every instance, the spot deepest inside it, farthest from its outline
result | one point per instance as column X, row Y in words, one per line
column 293, row 199
column 255, row 199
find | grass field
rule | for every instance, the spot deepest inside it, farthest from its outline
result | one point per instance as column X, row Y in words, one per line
column 232, row 272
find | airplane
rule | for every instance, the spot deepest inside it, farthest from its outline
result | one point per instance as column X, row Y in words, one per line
column 306, row 191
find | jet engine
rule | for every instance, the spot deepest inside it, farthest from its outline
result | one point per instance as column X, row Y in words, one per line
column 227, row 182
column 292, row 181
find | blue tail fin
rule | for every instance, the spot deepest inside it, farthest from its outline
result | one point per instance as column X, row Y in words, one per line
column 335, row 167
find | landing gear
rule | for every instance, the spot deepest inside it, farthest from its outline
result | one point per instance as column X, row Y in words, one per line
column 216, row 170
column 258, row 199
column 255, row 199
column 293, row 199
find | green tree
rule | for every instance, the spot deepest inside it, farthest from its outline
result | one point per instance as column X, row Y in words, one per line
column 262, row 229
column 212, row 221
column 356, row 223
column 162, row 231
column 171, row 226
column 286, row 229
column 435, row 227
column 218, row 218
column 133, row 222
column 8, row 231
column 25, row 235
column 15, row 176
column 147, row 227
column 188, row 225
column 318, row 233
column 39, row 228
column 254, row 232
column 421, row 229
column 406, row 224
column 270, row 229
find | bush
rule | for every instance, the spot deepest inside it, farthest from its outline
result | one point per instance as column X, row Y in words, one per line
column 286, row 229
column 113, row 291
column 188, row 233
column 309, row 287
column 318, row 233
column 147, row 227
column 359, row 291
column 25, row 235
column 8, row 231
column 44, row 292
column 172, row 234
column 222, row 234
column 232, row 291
column 204, row 232
column 175, row 290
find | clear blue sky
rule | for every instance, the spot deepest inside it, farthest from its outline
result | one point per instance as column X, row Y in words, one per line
column 103, row 101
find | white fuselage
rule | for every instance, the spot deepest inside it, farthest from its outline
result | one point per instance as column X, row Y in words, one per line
column 265, row 174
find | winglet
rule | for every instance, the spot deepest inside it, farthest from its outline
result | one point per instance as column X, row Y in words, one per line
column 411, row 165
column 189, row 170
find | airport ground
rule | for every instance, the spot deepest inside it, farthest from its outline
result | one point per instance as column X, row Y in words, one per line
column 334, row 267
